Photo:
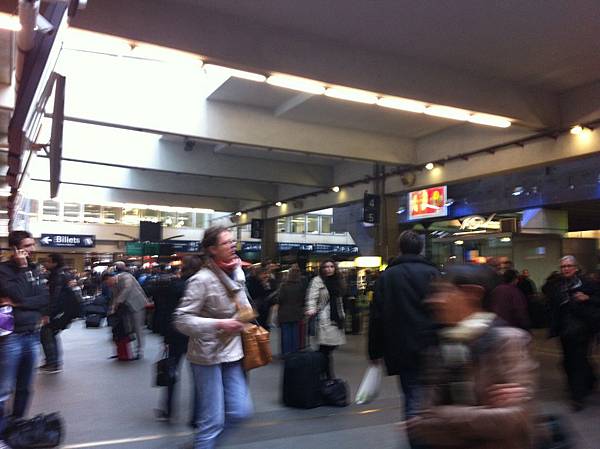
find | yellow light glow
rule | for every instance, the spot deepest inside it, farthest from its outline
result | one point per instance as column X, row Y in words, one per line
column 576, row 130
column 402, row 104
column 278, row 204
column 505, row 239
column 429, row 166
column 346, row 264
column 367, row 261
column 9, row 22
column 348, row 94
column 297, row 83
column 459, row 242
column 235, row 73
column 490, row 120
column 448, row 112
column 335, row 189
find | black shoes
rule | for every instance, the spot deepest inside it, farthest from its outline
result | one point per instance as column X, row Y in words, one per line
column 51, row 369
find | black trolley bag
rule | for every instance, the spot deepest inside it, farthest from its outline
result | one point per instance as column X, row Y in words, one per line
column 302, row 378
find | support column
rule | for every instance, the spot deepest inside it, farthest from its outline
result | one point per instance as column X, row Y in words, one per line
column 269, row 238
column 389, row 228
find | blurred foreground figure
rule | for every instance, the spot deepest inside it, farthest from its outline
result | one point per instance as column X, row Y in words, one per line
column 479, row 380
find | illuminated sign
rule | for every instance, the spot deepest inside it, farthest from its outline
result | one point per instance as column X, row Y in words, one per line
column 475, row 222
column 427, row 203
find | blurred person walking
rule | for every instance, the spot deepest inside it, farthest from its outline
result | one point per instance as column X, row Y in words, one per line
column 509, row 303
column 324, row 302
column 575, row 319
column 126, row 290
column 210, row 314
column 479, row 380
column 401, row 326
column 175, row 342
column 20, row 288
column 262, row 294
column 290, row 309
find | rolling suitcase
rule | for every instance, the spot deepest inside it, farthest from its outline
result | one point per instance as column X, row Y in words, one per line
column 302, row 377
column 124, row 352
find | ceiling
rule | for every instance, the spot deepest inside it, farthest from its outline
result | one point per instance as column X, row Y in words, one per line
column 548, row 44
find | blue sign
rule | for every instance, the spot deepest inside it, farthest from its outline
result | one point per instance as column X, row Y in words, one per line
column 68, row 241
column 184, row 246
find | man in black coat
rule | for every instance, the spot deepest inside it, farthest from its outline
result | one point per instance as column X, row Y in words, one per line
column 20, row 288
column 401, row 326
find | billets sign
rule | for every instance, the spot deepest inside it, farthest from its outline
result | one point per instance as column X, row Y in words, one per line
column 68, row 241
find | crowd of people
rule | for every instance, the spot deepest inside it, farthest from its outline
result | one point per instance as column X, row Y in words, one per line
column 457, row 339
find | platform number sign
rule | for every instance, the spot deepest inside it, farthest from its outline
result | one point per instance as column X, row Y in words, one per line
column 256, row 228
column 371, row 208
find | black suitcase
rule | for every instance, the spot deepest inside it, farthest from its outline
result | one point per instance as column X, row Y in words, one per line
column 302, row 377
column 93, row 320
column 335, row 392
column 95, row 309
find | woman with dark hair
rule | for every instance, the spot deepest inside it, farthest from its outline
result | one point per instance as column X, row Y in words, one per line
column 212, row 312
column 324, row 299
column 290, row 309
column 175, row 342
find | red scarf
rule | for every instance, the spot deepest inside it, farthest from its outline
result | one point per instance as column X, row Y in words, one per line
column 229, row 266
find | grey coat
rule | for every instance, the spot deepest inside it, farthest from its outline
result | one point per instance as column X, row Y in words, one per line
column 208, row 298
column 128, row 290
column 317, row 301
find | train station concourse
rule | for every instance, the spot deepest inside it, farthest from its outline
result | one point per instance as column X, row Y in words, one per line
column 315, row 133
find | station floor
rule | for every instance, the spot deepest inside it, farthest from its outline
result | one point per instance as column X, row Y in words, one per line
column 109, row 405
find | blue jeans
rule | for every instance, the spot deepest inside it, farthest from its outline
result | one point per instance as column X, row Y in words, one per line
column 18, row 360
column 222, row 397
column 290, row 337
column 51, row 345
column 413, row 397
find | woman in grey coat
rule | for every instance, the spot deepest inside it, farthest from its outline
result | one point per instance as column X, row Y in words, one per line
column 210, row 313
column 324, row 300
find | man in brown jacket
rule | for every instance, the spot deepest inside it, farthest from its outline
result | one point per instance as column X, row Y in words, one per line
column 480, row 378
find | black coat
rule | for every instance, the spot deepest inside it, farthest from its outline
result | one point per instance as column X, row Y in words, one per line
column 26, row 291
column 401, row 326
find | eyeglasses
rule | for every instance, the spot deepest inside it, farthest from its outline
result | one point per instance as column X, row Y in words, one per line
column 228, row 243
column 568, row 266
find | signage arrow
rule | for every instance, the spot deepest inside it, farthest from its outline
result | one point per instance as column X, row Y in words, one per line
column 46, row 240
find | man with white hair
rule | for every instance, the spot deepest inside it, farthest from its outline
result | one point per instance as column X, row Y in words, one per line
column 575, row 308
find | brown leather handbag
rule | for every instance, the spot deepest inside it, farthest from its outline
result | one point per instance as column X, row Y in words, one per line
column 257, row 347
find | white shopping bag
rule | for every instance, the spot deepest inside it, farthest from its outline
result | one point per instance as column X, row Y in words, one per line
column 370, row 385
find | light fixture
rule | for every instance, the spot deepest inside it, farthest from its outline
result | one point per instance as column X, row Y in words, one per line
column 235, row 73
column 5, row 193
column 577, row 129
column 296, row 83
column 164, row 54
column 517, row 191
column 459, row 242
column 9, row 22
column 571, row 186
column 402, row 104
column 335, row 189
column 449, row 202
column 278, row 204
column 490, row 120
column 429, row 166
column 448, row 112
column 401, row 210
column 346, row 93
column 505, row 239
column 238, row 214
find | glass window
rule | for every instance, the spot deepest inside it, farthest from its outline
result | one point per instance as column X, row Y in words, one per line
column 169, row 219
column 184, row 219
column 72, row 212
column 326, row 224
column 50, row 210
column 150, row 215
column 92, row 213
column 113, row 215
column 282, row 225
column 298, row 224
column 201, row 220
column 312, row 224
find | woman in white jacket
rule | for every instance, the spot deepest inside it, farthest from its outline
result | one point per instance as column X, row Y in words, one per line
column 324, row 299
column 209, row 313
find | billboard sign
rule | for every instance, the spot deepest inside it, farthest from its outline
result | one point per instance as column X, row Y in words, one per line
column 427, row 203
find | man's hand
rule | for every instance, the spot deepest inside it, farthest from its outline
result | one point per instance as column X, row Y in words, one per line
column 230, row 326
column 580, row 296
column 20, row 258
column 506, row 395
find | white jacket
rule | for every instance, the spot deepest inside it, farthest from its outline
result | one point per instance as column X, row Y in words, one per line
column 317, row 300
column 208, row 297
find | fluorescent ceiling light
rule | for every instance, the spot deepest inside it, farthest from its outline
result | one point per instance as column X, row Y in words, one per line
column 78, row 39
column 297, row 83
column 345, row 93
column 235, row 73
column 9, row 22
column 402, row 104
column 448, row 112
column 459, row 242
column 158, row 53
column 490, row 120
